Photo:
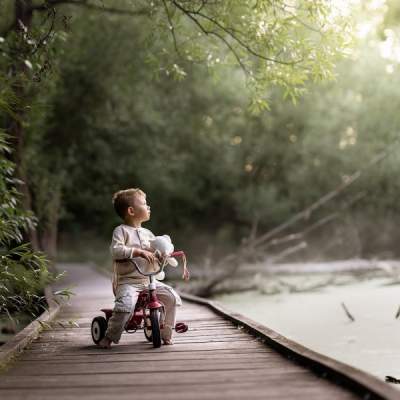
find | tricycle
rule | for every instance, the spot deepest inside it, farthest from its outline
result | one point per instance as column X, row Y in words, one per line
column 149, row 312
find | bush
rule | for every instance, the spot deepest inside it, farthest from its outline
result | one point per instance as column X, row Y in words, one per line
column 23, row 272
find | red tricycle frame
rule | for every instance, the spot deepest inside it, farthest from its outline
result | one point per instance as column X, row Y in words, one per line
column 149, row 312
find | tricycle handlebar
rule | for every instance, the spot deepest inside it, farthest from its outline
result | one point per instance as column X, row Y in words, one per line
column 161, row 264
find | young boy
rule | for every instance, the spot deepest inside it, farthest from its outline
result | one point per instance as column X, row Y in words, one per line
column 130, row 240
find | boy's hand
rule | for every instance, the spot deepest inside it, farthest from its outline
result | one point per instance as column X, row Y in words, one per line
column 147, row 255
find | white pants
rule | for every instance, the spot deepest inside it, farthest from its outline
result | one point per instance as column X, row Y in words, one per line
column 126, row 297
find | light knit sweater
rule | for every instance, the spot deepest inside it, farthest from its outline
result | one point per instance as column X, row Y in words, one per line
column 124, row 240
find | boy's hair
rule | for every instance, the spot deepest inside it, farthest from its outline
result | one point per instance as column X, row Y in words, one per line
column 124, row 199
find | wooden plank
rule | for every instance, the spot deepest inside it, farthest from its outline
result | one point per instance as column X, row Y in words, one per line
column 40, row 368
column 143, row 356
column 128, row 353
column 174, row 378
column 215, row 391
column 132, row 348
column 71, row 337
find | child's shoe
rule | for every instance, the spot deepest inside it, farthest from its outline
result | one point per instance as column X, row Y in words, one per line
column 168, row 341
column 105, row 343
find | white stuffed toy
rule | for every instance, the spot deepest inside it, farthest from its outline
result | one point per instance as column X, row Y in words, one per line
column 164, row 246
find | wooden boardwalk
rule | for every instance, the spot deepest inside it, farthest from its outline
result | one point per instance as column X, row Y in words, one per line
column 213, row 360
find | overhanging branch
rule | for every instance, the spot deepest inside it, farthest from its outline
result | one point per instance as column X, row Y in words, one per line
column 192, row 14
column 49, row 4
column 218, row 35
column 86, row 4
column 171, row 27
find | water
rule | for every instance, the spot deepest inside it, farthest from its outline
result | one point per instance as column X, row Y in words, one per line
column 317, row 320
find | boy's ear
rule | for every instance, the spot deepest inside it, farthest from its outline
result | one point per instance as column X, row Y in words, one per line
column 130, row 211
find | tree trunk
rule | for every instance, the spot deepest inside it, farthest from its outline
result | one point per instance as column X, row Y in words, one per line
column 49, row 236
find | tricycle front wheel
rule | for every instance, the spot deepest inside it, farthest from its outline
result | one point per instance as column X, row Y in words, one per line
column 155, row 327
column 147, row 329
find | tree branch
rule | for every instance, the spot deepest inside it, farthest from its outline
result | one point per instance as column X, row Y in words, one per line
column 287, row 252
column 306, row 213
column 321, row 222
column 48, row 4
column 46, row 36
column 87, row 4
column 230, row 32
column 171, row 28
column 207, row 32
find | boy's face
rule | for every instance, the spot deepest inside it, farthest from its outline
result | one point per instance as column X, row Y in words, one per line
column 141, row 210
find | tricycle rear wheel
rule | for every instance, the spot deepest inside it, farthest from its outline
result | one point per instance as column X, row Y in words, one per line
column 98, row 329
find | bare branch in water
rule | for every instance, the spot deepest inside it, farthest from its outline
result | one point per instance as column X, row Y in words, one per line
column 391, row 379
column 352, row 319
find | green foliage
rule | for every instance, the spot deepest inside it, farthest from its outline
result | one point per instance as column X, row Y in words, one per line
column 23, row 276
column 12, row 219
column 275, row 43
column 23, row 273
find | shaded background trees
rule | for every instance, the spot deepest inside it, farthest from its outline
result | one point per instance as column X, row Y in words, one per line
column 123, row 107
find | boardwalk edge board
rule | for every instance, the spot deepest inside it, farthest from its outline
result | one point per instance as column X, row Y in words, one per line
column 17, row 344
column 360, row 382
